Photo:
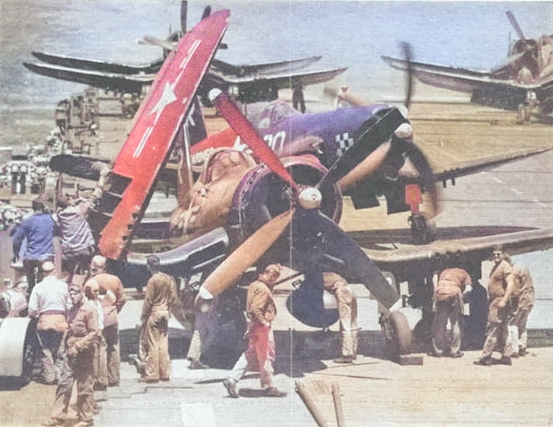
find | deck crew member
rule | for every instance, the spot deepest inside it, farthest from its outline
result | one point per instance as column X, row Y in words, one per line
column 92, row 294
column 112, row 298
column 501, row 287
column 526, row 299
column 341, row 98
column 38, row 231
column 161, row 297
column 78, row 362
column 260, row 355
column 50, row 303
column 205, row 331
column 347, row 310
column 451, row 285
column 77, row 241
column 298, row 100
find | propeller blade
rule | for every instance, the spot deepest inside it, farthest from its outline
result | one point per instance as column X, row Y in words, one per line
column 371, row 135
column 331, row 249
column 159, row 42
column 247, row 254
column 427, row 178
column 367, row 167
column 249, row 135
column 183, row 16
column 207, row 12
column 408, row 55
column 515, row 25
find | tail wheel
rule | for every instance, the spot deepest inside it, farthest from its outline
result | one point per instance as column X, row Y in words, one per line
column 401, row 334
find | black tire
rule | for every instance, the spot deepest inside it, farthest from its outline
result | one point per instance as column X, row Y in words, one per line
column 402, row 336
column 28, row 362
column 29, row 357
column 420, row 230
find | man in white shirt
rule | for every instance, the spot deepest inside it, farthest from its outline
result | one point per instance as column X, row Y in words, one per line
column 50, row 302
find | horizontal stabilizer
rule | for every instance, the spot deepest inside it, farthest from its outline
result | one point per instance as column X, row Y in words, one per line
column 107, row 81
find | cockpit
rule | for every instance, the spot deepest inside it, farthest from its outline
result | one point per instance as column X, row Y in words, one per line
column 274, row 113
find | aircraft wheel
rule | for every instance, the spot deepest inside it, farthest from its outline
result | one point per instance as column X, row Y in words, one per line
column 401, row 340
column 28, row 357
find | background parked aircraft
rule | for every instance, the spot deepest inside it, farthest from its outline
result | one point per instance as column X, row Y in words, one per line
column 525, row 79
column 245, row 83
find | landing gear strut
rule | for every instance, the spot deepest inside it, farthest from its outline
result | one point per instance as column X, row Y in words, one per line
column 421, row 229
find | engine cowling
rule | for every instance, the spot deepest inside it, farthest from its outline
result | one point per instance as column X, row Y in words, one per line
column 262, row 195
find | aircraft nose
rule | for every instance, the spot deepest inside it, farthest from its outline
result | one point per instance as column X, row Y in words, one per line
column 310, row 198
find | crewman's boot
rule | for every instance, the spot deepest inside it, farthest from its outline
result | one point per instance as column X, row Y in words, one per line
column 196, row 364
column 522, row 352
column 230, row 385
column 484, row 361
column 274, row 392
column 505, row 360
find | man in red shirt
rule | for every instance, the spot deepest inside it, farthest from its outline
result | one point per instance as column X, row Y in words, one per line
column 260, row 355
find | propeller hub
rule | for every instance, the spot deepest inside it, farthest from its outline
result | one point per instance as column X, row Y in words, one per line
column 404, row 131
column 310, row 198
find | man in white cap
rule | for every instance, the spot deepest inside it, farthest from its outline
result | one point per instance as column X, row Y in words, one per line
column 50, row 303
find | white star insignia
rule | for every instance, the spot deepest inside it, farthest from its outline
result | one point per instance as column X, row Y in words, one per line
column 166, row 98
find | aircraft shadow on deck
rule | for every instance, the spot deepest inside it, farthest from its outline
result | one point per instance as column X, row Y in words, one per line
column 297, row 352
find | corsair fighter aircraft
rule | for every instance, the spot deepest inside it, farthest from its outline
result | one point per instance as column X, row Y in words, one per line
column 525, row 79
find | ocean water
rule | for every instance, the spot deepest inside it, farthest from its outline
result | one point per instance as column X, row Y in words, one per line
column 353, row 34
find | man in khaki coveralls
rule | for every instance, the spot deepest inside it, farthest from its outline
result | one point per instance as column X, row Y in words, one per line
column 501, row 288
column 448, row 302
column 526, row 299
column 92, row 292
column 260, row 355
column 161, row 296
column 112, row 298
column 80, row 340
column 347, row 310
column 525, row 304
